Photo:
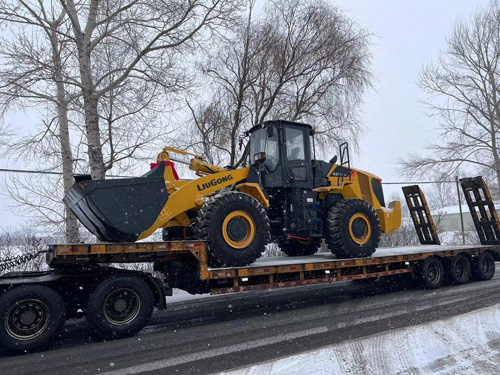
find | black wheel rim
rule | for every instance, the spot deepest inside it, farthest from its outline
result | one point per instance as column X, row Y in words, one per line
column 433, row 273
column 485, row 266
column 27, row 319
column 460, row 269
column 237, row 229
column 122, row 306
column 359, row 228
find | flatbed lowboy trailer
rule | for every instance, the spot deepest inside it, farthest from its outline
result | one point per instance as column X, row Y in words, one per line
column 119, row 302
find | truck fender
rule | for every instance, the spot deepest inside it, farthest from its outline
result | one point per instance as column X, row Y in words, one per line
column 159, row 292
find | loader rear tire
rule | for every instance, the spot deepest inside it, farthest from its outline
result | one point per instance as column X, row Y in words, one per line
column 352, row 229
column 295, row 247
column 236, row 228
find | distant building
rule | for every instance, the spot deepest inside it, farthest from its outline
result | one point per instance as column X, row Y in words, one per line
column 448, row 218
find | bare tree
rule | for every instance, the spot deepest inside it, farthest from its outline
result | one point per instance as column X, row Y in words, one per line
column 32, row 74
column 102, row 68
column 442, row 193
column 302, row 61
column 463, row 87
column 151, row 36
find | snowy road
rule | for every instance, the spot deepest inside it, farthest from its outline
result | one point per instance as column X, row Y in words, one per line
column 250, row 332
column 464, row 344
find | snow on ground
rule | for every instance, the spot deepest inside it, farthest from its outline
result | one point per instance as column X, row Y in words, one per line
column 465, row 344
column 179, row 295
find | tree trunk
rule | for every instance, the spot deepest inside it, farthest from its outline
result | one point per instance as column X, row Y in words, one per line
column 70, row 221
column 90, row 104
column 96, row 160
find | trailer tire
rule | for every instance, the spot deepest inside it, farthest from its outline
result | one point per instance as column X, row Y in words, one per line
column 120, row 307
column 431, row 273
column 236, row 228
column 33, row 314
column 483, row 267
column 352, row 229
column 296, row 247
column 459, row 270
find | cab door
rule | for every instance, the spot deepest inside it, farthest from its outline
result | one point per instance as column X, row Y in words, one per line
column 297, row 172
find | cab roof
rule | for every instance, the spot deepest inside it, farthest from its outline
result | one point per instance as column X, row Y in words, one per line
column 276, row 122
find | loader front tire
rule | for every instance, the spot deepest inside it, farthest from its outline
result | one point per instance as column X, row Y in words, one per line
column 236, row 228
column 352, row 229
column 296, row 247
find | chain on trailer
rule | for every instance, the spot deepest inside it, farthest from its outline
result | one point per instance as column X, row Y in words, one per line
column 9, row 263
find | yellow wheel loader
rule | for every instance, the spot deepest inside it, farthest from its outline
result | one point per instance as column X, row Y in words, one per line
column 284, row 195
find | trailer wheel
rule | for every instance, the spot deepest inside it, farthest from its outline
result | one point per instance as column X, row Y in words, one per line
column 236, row 228
column 32, row 315
column 296, row 247
column 352, row 229
column 120, row 307
column 483, row 267
column 459, row 269
column 431, row 273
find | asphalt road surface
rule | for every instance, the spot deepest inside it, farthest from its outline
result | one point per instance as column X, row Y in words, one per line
column 226, row 332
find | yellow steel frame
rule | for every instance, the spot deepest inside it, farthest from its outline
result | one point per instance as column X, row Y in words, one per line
column 359, row 186
column 253, row 189
column 187, row 197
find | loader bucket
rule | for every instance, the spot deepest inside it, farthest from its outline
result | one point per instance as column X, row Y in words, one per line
column 118, row 210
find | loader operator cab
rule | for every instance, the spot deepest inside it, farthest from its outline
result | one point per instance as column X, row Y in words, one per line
column 281, row 152
column 284, row 149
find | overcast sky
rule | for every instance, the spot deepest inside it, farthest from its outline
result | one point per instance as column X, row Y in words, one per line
column 409, row 34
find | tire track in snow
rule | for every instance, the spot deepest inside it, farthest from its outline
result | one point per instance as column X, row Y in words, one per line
column 465, row 344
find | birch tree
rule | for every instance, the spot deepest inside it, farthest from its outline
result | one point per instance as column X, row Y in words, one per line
column 32, row 74
column 153, row 37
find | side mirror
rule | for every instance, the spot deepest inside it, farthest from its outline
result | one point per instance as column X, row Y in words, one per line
column 333, row 160
column 260, row 157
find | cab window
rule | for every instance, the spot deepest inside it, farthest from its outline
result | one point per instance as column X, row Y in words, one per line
column 260, row 142
column 294, row 144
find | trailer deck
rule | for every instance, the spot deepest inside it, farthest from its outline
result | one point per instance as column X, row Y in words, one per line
column 265, row 273
column 403, row 253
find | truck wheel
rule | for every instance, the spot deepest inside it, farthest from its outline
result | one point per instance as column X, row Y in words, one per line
column 431, row 273
column 296, row 247
column 32, row 315
column 459, row 271
column 120, row 307
column 352, row 229
column 483, row 267
column 236, row 229
column 173, row 234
